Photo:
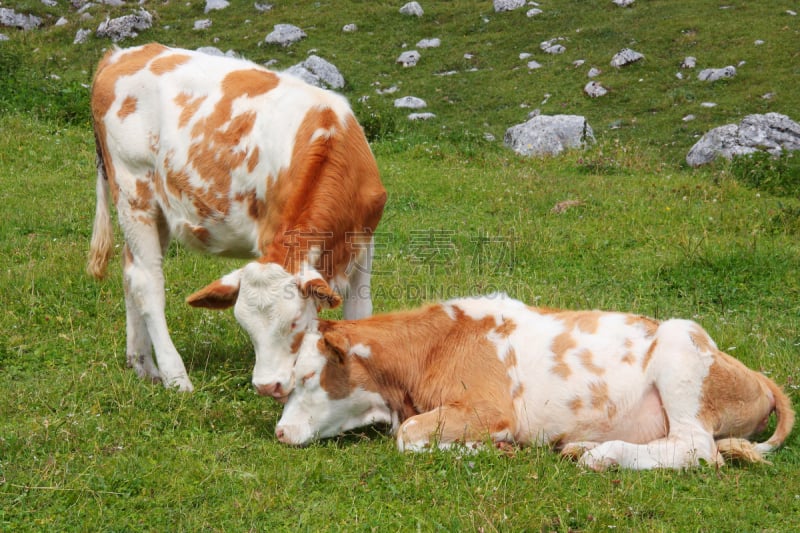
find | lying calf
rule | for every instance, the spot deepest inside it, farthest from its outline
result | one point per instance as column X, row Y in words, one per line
column 608, row 388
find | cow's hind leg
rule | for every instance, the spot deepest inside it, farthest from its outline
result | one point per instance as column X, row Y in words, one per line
column 139, row 348
column 446, row 427
column 679, row 361
column 358, row 303
column 146, row 238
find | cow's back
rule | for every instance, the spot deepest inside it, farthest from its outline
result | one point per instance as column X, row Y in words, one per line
column 211, row 142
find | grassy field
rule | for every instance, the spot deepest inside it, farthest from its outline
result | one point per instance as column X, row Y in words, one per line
column 85, row 445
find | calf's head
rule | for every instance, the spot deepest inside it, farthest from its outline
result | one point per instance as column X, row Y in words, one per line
column 275, row 308
column 331, row 393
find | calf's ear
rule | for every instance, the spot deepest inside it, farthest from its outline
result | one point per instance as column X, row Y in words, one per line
column 321, row 292
column 220, row 294
column 338, row 345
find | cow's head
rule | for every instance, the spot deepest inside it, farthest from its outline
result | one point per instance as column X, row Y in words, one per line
column 275, row 308
column 329, row 395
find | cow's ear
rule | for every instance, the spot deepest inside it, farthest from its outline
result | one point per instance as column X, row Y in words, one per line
column 220, row 294
column 338, row 345
column 321, row 292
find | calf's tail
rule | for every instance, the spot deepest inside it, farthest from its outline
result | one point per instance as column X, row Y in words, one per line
column 743, row 449
column 102, row 233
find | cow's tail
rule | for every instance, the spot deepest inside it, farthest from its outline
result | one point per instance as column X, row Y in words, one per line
column 743, row 449
column 102, row 232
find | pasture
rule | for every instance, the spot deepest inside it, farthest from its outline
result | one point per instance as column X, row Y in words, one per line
column 85, row 445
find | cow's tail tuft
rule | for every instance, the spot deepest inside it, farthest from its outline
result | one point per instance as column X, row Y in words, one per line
column 102, row 233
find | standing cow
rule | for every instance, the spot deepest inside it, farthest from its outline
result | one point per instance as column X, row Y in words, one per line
column 231, row 159
column 608, row 388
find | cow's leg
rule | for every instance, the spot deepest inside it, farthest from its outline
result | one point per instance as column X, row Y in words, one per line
column 145, row 300
column 447, row 426
column 681, row 356
column 139, row 349
column 358, row 303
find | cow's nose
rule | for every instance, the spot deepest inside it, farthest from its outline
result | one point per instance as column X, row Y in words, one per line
column 271, row 389
column 280, row 434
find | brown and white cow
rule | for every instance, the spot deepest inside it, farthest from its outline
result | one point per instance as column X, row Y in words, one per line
column 231, row 159
column 608, row 388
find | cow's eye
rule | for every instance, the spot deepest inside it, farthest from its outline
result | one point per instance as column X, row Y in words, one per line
column 294, row 325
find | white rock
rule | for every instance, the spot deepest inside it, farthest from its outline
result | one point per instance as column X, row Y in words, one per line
column 507, row 5
column 688, row 118
column 389, row 90
column 212, row 5
column 126, row 26
column 62, row 21
column 349, row 28
column 421, row 116
column 626, row 56
column 594, row 89
column 708, row 105
column 552, row 46
column 770, row 132
column 413, row 9
column 9, row 17
column 623, row 3
column 263, row 7
column 758, row 42
column 409, row 58
column 689, row 62
column 533, row 12
column 578, row 63
column 410, row 102
column 525, row 55
column 548, row 135
column 594, row 72
column 81, row 36
column 714, row 74
column 429, row 43
column 285, row 35
column 203, row 24
column 533, row 65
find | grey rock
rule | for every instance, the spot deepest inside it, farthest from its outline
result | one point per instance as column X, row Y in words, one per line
column 553, row 46
column 81, row 36
column 319, row 72
column 533, row 12
column 689, row 62
column 429, row 43
column 12, row 19
column 212, row 5
column 214, row 51
column 533, row 65
column 262, row 7
column 349, row 28
column 594, row 72
column 594, row 89
column 623, row 3
column 421, row 116
column 507, row 5
column 545, row 135
column 62, row 21
column 626, row 56
column 714, row 74
column 409, row 58
column 202, row 24
column 770, row 132
column 126, row 26
column 285, row 35
column 410, row 102
column 413, row 9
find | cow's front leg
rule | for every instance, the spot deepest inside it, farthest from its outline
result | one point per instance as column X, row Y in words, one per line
column 145, row 301
column 446, row 427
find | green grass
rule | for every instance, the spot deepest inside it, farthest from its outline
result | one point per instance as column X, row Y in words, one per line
column 85, row 445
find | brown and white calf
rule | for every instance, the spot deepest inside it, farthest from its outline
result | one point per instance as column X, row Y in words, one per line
column 609, row 388
column 231, row 159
